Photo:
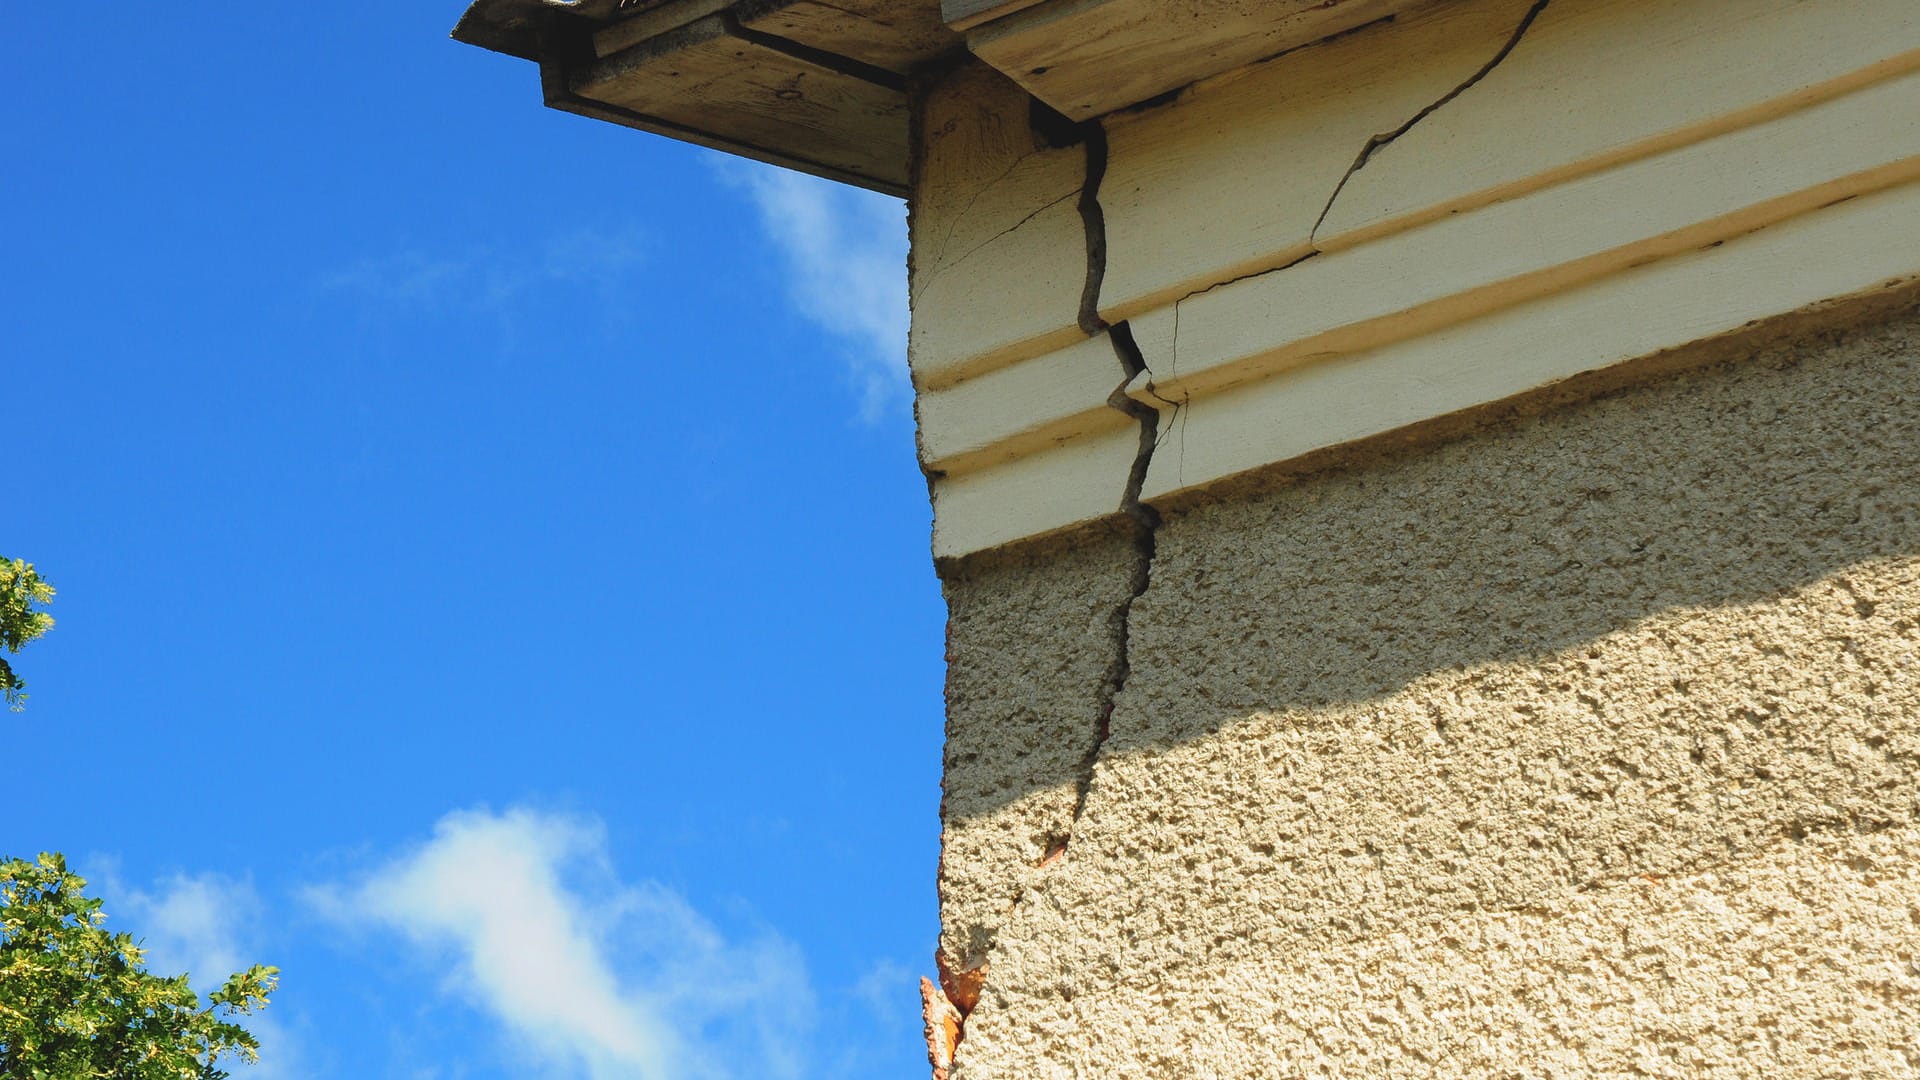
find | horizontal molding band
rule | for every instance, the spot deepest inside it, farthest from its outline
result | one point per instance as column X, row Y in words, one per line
column 1552, row 240
column 1857, row 247
column 1228, row 181
column 1424, row 279
column 1483, row 254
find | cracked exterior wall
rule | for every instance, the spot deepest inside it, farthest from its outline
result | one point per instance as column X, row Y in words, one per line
column 1556, row 717
column 1585, row 745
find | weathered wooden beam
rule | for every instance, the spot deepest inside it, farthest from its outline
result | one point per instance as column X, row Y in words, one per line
column 966, row 14
column 897, row 35
column 716, row 82
column 815, row 85
column 1087, row 58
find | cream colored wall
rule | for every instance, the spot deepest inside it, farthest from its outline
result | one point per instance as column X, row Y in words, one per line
column 1586, row 744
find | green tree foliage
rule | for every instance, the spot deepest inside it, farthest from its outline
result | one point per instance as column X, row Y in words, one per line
column 76, row 1002
column 20, row 590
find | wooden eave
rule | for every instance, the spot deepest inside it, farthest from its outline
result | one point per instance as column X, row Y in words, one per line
column 811, row 85
column 821, row 85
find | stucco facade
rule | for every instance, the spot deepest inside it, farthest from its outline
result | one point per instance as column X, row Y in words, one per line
column 1428, row 498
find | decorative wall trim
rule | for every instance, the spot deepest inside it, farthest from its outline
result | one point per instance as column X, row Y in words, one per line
column 1582, row 182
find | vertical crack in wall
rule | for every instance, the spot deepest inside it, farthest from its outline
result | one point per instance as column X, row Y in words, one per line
column 1094, row 221
column 1383, row 139
column 1143, row 520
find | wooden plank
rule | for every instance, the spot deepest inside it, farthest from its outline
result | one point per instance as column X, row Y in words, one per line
column 897, row 35
column 1024, row 408
column 653, row 22
column 966, row 14
column 1591, row 84
column 704, row 78
column 1087, row 58
column 1464, row 266
column 1571, row 240
column 1766, row 188
column 1080, row 481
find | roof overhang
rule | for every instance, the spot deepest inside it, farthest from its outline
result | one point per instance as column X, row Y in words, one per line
column 821, row 86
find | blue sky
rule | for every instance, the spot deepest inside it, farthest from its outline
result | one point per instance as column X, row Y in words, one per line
column 493, row 575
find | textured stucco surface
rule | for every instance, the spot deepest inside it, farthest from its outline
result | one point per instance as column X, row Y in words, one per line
column 1032, row 656
column 1583, row 747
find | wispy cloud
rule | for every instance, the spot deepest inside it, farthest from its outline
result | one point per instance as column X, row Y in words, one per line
column 845, row 255
column 207, row 926
column 480, row 276
column 530, row 924
column 888, row 988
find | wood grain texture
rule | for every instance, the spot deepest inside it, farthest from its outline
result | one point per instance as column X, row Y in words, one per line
column 966, row 14
column 702, row 77
column 893, row 34
column 1087, row 58
column 653, row 22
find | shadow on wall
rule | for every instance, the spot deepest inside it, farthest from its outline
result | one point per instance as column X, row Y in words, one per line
column 1732, row 486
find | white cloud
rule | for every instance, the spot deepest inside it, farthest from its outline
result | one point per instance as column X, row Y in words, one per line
column 620, row 980
column 845, row 255
column 189, row 924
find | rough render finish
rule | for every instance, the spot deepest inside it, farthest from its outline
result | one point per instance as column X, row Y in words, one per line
column 1033, row 649
column 1581, row 747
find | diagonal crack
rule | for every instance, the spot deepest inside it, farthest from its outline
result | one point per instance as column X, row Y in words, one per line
column 944, row 265
column 1374, row 144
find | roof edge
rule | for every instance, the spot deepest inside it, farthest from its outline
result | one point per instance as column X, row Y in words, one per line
column 517, row 27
